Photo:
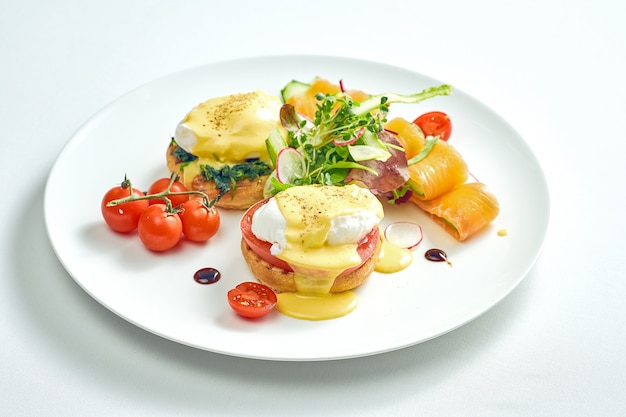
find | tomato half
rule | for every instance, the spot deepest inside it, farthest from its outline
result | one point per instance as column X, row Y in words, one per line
column 161, row 184
column 365, row 248
column 435, row 123
column 124, row 217
column 200, row 222
column 252, row 299
column 158, row 229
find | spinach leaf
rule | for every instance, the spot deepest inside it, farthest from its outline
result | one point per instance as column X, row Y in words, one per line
column 226, row 177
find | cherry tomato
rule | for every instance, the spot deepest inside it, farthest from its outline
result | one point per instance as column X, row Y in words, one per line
column 252, row 299
column 435, row 123
column 365, row 249
column 161, row 184
column 200, row 223
column 124, row 217
column 158, row 229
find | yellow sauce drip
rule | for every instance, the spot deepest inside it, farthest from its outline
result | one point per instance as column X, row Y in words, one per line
column 503, row 232
column 314, row 301
column 191, row 170
column 308, row 284
column 317, row 307
column 392, row 258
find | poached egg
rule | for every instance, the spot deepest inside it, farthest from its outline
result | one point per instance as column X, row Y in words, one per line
column 315, row 227
column 228, row 130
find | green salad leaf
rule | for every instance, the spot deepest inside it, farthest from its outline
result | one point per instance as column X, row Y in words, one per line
column 343, row 134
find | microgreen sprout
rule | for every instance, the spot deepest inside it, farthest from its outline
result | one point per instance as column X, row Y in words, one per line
column 342, row 134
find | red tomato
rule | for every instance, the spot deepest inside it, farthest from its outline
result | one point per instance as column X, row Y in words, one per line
column 366, row 247
column 200, row 223
column 435, row 123
column 161, row 184
column 252, row 299
column 124, row 217
column 158, row 229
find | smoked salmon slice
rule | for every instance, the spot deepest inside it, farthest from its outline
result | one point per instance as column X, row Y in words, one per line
column 306, row 103
column 410, row 135
column 442, row 170
column 463, row 211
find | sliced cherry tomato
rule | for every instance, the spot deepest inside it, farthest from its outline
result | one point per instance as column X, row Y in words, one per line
column 200, row 222
column 435, row 123
column 161, row 184
column 252, row 299
column 158, row 229
column 365, row 249
column 123, row 217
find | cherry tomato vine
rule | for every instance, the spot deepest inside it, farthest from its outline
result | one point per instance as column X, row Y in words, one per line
column 163, row 215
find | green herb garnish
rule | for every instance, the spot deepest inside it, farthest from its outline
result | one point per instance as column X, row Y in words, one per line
column 343, row 134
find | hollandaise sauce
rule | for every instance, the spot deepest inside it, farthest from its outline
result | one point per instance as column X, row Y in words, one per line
column 230, row 128
column 314, row 301
column 317, row 306
column 393, row 258
column 317, row 257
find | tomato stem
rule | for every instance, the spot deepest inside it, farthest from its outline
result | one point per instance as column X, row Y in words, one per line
column 161, row 195
column 127, row 184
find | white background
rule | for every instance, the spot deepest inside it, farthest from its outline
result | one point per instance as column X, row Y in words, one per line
column 553, row 69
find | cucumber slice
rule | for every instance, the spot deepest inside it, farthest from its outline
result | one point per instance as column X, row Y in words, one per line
column 415, row 187
column 293, row 88
column 274, row 143
column 373, row 148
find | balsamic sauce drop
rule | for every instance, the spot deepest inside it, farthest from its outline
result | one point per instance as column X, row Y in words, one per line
column 436, row 255
column 206, row 276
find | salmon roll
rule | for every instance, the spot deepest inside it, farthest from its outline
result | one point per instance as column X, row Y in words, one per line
column 463, row 211
column 442, row 170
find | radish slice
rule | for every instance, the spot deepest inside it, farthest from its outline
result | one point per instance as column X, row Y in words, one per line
column 351, row 141
column 338, row 142
column 289, row 165
column 404, row 234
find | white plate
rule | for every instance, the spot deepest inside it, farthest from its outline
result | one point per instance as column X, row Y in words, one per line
column 157, row 292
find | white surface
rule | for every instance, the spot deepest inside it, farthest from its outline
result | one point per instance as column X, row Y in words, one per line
column 157, row 291
column 553, row 69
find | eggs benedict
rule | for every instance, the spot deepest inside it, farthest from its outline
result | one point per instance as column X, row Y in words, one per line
column 313, row 240
column 219, row 147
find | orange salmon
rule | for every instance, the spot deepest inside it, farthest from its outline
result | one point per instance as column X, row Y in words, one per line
column 463, row 211
column 439, row 172
column 306, row 103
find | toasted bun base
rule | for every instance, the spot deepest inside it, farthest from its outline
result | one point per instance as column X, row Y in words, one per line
column 245, row 194
column 282, row 281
